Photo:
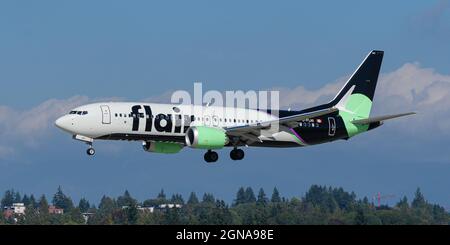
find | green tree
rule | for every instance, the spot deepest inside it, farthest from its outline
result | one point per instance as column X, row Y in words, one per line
column 126, row 200
column 321, row 197
column 192, row 199
column 43, row 205
column 106, row 209
column 240, row 196
column 262, row 199
column 419, row 200
column 208, row 198
column 440, row 216
column 249, row 195
column 60, row 200
column 177, row 199
column 275, row 196
column 162, row 195
column 107, row 204
column 26, row 200
column 17, row 197
column 8, row 198
column 33, row 201
column 132, row 214
column 360, row 218
column 83, row 205
column 403, row 203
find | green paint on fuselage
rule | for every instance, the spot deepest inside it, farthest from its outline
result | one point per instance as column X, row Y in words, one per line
column 357, row 107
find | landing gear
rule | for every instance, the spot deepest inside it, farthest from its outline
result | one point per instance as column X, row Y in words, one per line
column 237, row 154
column 211, row 156
column 90, row 151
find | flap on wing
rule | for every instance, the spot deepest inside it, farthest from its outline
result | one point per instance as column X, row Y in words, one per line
column 380, row 118
column 290, row 121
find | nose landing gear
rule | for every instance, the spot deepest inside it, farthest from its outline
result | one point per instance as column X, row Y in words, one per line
column 90, row 151
column 211, row 156
column 237, row 154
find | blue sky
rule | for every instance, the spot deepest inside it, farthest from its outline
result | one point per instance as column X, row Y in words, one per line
column 58, row 54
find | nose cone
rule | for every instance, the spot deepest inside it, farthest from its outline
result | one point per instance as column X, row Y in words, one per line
column 63, row 123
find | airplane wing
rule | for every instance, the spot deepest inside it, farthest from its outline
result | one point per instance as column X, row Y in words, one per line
column 380, row 118
column 250, row 132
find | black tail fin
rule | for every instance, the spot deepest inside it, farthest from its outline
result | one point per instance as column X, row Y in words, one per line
column 364, row 79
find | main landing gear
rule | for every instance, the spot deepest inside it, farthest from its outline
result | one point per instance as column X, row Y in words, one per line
column 211, row 156
column 237, row 154
column 90, row 151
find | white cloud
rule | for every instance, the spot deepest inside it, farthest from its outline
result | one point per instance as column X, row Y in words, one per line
column 409, row 88
column 26, row 128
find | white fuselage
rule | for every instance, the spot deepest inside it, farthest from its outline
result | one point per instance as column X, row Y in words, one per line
column 158, row 122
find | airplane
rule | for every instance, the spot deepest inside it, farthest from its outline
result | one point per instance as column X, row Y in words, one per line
column 168, row 128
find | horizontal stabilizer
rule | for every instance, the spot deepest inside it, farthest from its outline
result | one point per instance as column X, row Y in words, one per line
column 380, row 118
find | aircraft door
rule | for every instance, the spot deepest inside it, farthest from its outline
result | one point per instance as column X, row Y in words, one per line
column 331, row 126
column 106, row 114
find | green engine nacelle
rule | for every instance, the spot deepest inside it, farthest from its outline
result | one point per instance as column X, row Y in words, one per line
column 162, row 147
column 206, row 137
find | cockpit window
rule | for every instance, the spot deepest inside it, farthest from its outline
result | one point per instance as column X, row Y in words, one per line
column 78, row 112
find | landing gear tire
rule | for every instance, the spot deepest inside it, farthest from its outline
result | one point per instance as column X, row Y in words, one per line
column 237, row 154
column 90, row 151
column 211, row 156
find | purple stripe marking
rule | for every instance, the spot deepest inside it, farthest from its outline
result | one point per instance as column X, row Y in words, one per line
column 298, row 136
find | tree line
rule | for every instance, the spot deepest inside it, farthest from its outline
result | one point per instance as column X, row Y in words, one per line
column 319, row 205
